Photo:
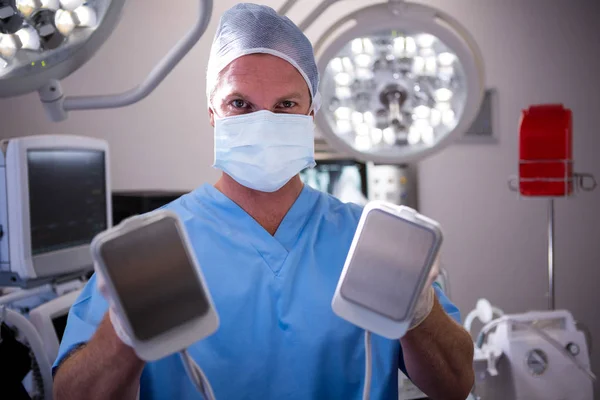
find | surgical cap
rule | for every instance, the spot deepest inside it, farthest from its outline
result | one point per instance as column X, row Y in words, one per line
column 250, row 29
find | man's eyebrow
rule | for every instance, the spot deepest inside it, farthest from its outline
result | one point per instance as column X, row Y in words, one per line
column 291, row 96
column 236, row 95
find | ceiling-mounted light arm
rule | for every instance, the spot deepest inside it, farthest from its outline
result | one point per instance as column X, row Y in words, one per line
column 57, row 105
column 330, row 31
column 316, row 13
column 286, row 7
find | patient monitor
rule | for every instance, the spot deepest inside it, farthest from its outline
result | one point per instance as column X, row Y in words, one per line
column 54, row 198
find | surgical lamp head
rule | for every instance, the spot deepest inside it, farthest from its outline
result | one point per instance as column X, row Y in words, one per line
column 44, row 41
column 399, row 81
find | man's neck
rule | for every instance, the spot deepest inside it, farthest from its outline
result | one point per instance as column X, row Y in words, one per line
column 268, row 209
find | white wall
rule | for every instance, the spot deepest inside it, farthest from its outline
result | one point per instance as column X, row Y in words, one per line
column 536, row 51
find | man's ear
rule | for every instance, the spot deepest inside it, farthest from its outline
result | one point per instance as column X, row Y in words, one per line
column 211, row 116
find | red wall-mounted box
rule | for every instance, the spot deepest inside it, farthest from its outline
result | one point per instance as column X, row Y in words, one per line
column 545, row 151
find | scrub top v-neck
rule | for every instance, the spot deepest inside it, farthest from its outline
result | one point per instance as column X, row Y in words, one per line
column 278, row 337
column 273, row 248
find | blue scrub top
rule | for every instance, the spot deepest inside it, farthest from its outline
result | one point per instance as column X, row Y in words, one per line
column 278, row 338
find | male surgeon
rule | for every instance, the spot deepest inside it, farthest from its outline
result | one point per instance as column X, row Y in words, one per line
column 272, row 251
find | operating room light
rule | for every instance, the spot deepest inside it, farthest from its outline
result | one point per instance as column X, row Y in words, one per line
column 435, row 117
column 422, row 111
column 425, row 40
column 67, row 21
column 363, row 60
column 430, row 66
column 448, row 117
column 347, row 64
column 376, row 63
column 376, row 136
column 8, row 46
column 446, row 59
column 363, row 142
column 71, row 5
column 419, row 65
column 343, row 113
column 26, row 38
column 28, row 7
column 410, row 46
column 343, row 93
column 405, row 46
column 427, row 136
column 443, row 94
column 363, row 129
column 445, row 73
column 443, row 106
column 357, row 46
column 364, row 74
column 86, row 16
column 336, row 65
column 50, row 36
column 343, row 79
column 409, row 81
column 389, row 136
column 44, row 43
column 29, row 38
column 10, row 19
column 362, row 45
column 414, row 135
column 399, row 45
column 344, row 126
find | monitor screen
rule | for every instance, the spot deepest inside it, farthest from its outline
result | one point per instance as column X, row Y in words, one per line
column 345, row 179
column 67, row 197
column 60, row 322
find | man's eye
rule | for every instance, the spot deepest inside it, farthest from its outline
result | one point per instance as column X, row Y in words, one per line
column 287, row 104
column 238, row 103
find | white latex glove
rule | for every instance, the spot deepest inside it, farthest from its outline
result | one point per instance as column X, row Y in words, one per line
column 115, row 318
column 427, row 297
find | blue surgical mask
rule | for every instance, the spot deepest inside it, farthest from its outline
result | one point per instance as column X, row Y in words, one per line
column 263, row 150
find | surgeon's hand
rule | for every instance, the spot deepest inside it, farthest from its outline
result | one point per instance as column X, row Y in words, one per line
column 115, row 318
column 427, row 297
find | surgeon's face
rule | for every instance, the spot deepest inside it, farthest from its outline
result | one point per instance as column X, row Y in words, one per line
column 259, row 82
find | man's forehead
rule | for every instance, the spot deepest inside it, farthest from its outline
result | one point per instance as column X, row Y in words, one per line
column 261, row 65
column 262, row 69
